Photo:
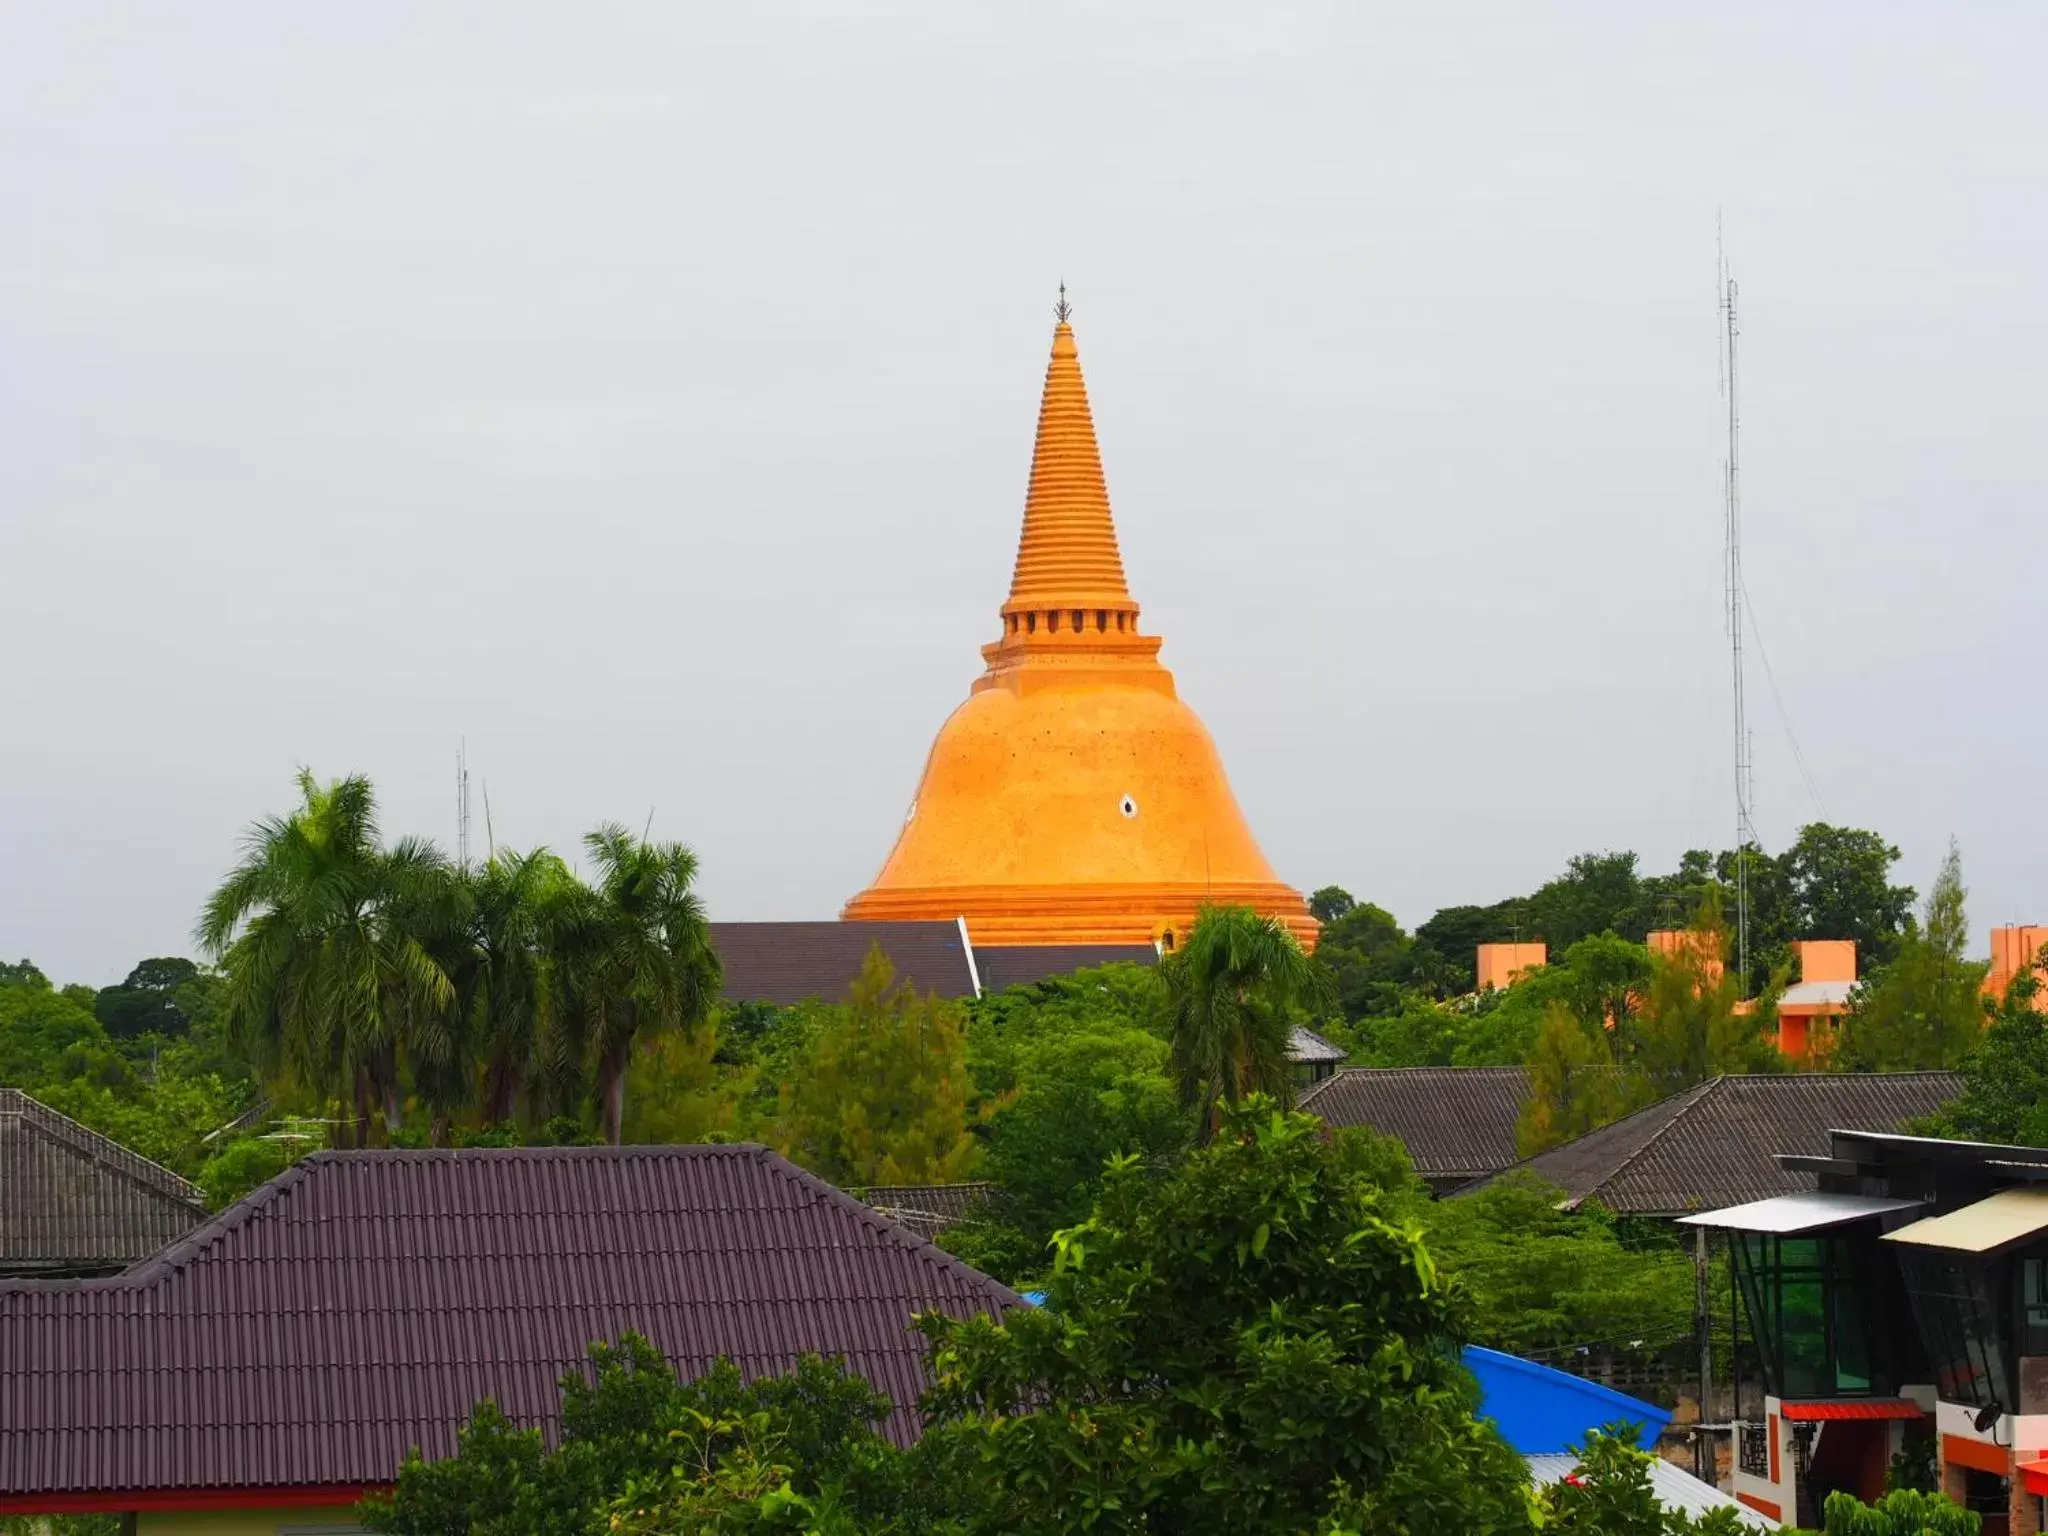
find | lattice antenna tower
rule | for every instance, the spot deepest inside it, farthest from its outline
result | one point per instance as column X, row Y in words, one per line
column 1731, row 489
column 462, row 803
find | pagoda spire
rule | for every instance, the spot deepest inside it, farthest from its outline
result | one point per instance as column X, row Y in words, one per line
column 1067, row 558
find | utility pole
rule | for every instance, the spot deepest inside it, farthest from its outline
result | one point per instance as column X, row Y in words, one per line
column 1733, row 592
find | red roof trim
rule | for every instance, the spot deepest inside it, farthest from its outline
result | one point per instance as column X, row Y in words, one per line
column 2035, row 1475
column 1852, row 1408
column 122, row 1502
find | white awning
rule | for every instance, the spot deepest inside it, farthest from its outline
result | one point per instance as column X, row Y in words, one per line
column 1798, row 1213
column 1993, row 1222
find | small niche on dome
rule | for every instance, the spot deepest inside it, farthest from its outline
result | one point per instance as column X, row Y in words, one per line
column 1030, row 623
column 1128, row 806
column 1080, row 621
column 1102, row 619
column 1120, row 620
column 1052, row 621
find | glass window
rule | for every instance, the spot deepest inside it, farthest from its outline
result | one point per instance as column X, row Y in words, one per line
column 1953, row 1303
column 1812, row 1324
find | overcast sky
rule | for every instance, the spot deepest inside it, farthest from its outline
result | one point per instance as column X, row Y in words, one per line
column 645, row 393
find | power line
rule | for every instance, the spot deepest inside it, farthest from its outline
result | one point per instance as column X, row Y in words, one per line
column 1784, row 715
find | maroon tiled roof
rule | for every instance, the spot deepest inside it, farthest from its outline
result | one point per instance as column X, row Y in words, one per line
column 1717, row 1144
column 73, row 1202
column 1458, row 1123
column 364, row 1302
column 785, row 963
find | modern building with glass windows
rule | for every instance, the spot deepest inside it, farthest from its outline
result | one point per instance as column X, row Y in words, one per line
column 1899, row 1312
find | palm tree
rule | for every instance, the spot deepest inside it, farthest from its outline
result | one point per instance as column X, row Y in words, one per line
column 630, row 956
column 513, row 894
column 325, row 971
column 1231, row 992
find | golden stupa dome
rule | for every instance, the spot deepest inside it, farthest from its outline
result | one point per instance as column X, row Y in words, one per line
column 1073, row 799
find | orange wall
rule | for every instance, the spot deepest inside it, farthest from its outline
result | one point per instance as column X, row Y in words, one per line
column 2011, row 949
column 1499, row 964
column 1826, row 959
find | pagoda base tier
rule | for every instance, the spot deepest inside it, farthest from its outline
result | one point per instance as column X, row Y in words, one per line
column 1001, row 916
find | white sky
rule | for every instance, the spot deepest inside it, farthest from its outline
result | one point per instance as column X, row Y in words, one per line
column 646, row 393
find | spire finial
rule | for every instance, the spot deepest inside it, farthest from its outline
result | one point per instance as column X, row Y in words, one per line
column 1061, row 310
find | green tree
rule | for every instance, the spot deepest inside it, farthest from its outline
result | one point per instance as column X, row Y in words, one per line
column 1598, row 893
column 1841, row 884
column 640, row 1451
column 1610, row 1494
column 146, row 1002
column 323, row 977
column 2005, row 1077
column 1083, row 1097
column 1924, row 1009
column 1330, row 903
column 1365, row 958
column 1689, row 1027
column 1246, row 1344
column 1231, row 995
column 632, row 957
column 23, row 973
column 1542, row 1280
column 1902, row 1512
column 1574, row 1084
column 882, row 1095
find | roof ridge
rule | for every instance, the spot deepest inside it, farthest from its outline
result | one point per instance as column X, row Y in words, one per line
column 1688, row 1099
column 114, row 1155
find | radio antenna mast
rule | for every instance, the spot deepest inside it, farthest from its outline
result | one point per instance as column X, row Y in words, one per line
column 462, row 803
column 1731, row 488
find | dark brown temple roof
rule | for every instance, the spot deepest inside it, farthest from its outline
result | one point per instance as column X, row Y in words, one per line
column 364, row 1302
column 1717, row 1144
column 1458, row 1123
column 73, row 1202
column 1015, row 965
column 785, row 963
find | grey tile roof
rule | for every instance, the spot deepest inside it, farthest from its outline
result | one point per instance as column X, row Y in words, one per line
column 1305, row 1045
column 363, row 1302
column 1458, row 1123
column 74, row 1202
column 1717, row 1144
column 785, row 963
column 927, row 1209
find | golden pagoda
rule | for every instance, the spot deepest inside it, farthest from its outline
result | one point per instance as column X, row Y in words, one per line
column 1073, row 799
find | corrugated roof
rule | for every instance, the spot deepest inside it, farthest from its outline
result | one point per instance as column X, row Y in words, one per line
column 72, row 1201
column 1809, row 1211
column 1717, row 1144
column 1458, row 1123
column 363, row 1303
column 1817, row 994
column 787, row 963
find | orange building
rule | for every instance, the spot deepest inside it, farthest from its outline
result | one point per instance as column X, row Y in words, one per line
column 1073, row 799
column 2012, row 951
column 1812, row 1008
column 1500, row 965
